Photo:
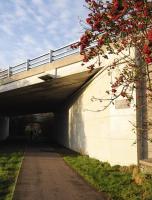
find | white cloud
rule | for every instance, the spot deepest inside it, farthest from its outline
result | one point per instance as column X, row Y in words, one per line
column 27, row 39
column 60, row 4
column 7, row 29
column 31, row 27
column 38, row 2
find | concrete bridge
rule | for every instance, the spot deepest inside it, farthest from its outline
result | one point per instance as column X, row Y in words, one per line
column 42, row 84
column 57, row 83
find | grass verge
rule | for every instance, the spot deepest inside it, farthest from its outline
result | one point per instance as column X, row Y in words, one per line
column 9, row 168
column 120, row 183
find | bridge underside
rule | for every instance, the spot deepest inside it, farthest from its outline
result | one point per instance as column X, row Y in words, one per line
column 42, row 97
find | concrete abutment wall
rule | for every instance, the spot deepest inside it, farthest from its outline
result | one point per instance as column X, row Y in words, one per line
column 103, row 134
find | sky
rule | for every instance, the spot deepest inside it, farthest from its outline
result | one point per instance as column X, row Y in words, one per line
column 29, row 28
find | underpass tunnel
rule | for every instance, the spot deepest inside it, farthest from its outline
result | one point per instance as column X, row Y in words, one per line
column 41, row 126
column 48, row 99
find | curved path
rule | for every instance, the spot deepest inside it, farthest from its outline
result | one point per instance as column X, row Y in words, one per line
column 45, row 176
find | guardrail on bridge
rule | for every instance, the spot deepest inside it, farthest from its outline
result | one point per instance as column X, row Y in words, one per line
column 49, row 57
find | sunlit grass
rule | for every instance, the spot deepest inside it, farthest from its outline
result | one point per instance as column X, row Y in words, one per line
column 116, row 181
column 9, row 166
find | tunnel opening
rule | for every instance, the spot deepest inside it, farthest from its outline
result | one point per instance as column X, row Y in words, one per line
column 32, row 128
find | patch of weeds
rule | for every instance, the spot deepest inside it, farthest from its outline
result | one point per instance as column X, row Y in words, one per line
column 120, row 183
column 9, row 166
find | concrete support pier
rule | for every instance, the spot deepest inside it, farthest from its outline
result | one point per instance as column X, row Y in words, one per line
column 4, row 128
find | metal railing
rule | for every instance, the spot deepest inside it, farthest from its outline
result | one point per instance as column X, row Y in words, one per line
column 49, row 57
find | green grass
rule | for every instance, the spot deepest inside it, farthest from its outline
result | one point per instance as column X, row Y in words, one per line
column 9, row 166
column 116, row 181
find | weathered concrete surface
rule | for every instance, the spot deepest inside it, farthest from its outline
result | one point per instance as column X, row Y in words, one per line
column 45, row 176
column 105, row 134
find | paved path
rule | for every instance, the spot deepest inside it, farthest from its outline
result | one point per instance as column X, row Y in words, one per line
column 45, row 176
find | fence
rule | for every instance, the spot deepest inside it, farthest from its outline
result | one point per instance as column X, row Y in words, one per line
column 35, row 62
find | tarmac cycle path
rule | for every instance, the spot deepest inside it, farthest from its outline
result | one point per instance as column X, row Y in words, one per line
column 45, row 176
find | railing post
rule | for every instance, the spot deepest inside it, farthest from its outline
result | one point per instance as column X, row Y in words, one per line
column 9, row 71
column 50, row 56
column 55, row 72
column 27, row 64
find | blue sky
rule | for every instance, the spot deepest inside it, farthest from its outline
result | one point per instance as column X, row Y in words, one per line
column 29, row 28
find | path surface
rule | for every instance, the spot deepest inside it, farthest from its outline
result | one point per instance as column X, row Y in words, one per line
column 45, row 176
